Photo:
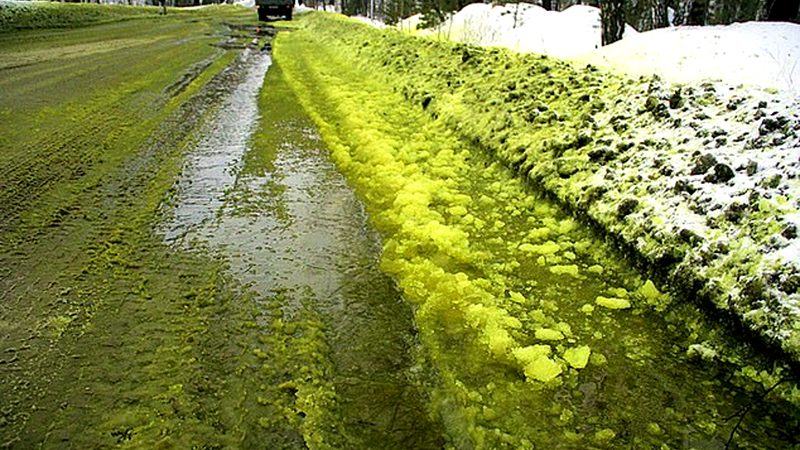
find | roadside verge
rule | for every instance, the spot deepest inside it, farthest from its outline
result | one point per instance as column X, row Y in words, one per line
column 699, row 182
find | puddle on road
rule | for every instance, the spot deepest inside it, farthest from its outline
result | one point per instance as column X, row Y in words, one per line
column 211, row 168
column 294, row 234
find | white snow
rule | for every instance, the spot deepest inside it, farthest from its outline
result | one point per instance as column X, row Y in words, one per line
column 321, row 6
column 763, row 54
column 760, row 54
column 409, row 24
column 526, row 28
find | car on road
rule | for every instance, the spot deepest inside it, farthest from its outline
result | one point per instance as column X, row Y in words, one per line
column 268, row 8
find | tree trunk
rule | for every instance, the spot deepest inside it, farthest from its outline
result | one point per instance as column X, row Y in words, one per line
column 782, row 10
column 612, row 16
column 680, row 12
column 660, row 16
column 698, row 13
column 547, row 4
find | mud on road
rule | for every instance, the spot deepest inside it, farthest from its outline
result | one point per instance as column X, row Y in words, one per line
column 259, row 191
column 182, row 265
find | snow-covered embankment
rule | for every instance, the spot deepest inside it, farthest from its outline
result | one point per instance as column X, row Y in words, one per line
column 700, row 179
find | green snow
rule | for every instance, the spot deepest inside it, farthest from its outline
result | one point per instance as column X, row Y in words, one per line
column 431, row 137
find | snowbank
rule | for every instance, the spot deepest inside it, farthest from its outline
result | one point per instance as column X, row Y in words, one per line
column 525, row 28
column 368, row 21
column 700, row 178
column 409, row 24
column 761, row 54
column 749, row 74
column 758, row 54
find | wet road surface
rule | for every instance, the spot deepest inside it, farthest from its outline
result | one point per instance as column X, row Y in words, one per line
column 257, row 316
column 292, row 231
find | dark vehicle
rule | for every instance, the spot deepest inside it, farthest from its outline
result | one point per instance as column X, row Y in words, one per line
column 274, row 8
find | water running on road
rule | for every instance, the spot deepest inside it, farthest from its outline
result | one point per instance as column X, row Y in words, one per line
column 211, row 169
column 273, row 206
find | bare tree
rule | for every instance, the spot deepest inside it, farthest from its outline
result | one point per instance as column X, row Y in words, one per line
column 612, row 17
column 659, row 11
column 646, row 15
column 782, row 10
column 697, row 13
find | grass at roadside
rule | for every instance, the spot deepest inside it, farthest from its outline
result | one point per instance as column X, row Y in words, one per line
column 17, row 16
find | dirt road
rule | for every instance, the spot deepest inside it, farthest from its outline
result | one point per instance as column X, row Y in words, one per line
column 102, row 324
column 183, row 266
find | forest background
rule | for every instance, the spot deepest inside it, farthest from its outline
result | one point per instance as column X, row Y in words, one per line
column 643, row 15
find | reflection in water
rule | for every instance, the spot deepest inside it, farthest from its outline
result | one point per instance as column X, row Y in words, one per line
column 310, row 234
column 212, row 167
